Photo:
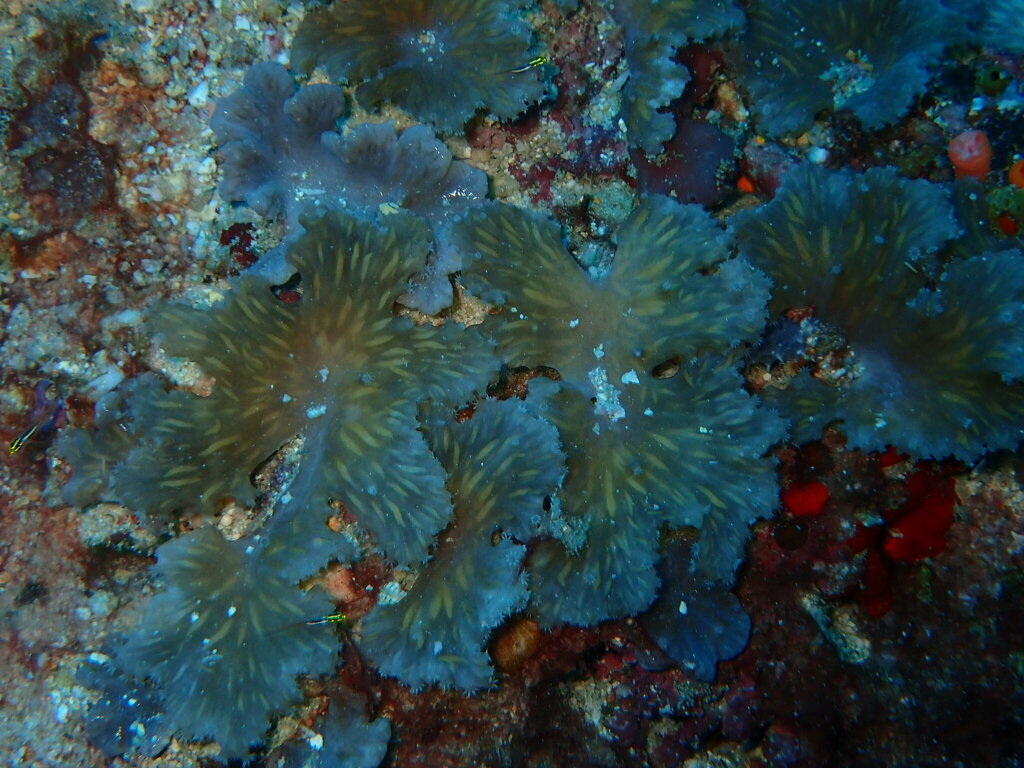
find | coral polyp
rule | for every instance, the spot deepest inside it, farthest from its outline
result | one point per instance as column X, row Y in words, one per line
column 441, row 61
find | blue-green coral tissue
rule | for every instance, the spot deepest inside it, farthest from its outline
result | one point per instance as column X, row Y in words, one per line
column 799, row 57
column 936, row 348
column 225, row 640
column 440, row 60
column 642, row 452
column 337, row 367
column 502, row 464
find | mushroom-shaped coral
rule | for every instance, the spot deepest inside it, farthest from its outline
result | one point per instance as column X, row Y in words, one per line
column 931, row 353
column 269, row 136
column 654, row 303
column 337, row 367
column 653, row 33
column 695, row 622
column 283, row 154
column 642, row 451
column 689, row 451
column 225, row 640
column 441, row 61
column 869, row 56
column 283, row 157
column 502, row 463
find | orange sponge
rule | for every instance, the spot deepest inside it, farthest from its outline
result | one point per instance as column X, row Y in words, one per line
column 971, row 155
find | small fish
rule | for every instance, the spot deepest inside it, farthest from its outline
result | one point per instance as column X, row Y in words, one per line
column 19, row 442
column 332, row 618
column 47, row 414
column 536, row 61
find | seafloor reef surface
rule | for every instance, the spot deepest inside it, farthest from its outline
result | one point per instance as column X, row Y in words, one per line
column 511, row 383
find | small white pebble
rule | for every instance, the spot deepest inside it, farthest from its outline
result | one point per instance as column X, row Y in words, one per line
column 390, row 593
column 818, row 155
column 208, row 167
column 199, row 95
column 106, row 381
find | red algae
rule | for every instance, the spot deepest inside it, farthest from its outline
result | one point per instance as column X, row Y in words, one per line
column 912, row 531
column 1007, row 224
column 890, row 457
column 239, row 241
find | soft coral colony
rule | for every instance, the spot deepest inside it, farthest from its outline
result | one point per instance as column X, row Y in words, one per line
column 556, row 504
